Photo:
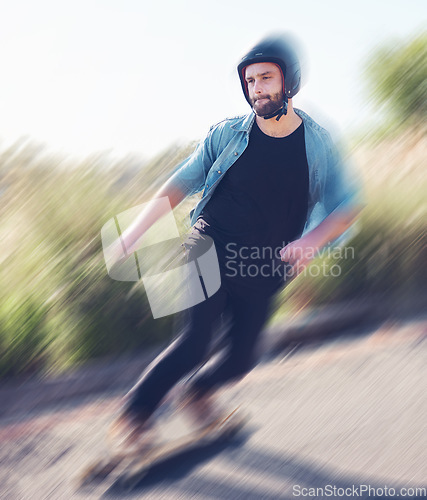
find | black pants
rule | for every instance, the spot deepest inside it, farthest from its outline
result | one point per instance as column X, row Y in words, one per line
column 246, row 313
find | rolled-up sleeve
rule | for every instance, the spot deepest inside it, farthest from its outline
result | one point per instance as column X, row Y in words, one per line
column 190, row 175
column 343, row 188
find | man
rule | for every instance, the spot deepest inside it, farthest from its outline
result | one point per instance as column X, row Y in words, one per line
column 271, row 180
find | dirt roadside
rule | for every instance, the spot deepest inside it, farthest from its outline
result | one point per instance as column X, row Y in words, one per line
column 353, row 409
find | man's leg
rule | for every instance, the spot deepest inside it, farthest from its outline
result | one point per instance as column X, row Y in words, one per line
column 249, row 315
column 182, row 356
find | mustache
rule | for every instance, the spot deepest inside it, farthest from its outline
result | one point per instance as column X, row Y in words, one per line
column 262, row 97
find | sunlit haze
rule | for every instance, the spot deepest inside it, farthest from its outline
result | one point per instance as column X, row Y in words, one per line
column 134, row 76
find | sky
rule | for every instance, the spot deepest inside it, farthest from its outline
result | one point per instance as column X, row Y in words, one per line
column 133, row 76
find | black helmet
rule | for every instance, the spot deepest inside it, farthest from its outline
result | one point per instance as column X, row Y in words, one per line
column 280, row 50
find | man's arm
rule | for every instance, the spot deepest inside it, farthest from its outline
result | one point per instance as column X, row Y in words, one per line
column 152, row 214
column 300, row 252
column 188, row 179
column 342, row 200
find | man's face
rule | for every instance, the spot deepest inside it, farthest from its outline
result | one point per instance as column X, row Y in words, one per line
column 265, row 87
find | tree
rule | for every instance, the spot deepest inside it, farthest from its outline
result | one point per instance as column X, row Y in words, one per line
column 397, row 80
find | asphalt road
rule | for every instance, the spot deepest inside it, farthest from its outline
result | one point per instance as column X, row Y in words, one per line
column 348, row 414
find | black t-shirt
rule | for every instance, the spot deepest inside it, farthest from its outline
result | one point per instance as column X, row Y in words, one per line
column 261, row 202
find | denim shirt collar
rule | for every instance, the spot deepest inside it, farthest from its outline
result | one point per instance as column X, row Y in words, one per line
column 244, row 123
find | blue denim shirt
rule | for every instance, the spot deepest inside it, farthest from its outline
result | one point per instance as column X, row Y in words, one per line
column 331, row 188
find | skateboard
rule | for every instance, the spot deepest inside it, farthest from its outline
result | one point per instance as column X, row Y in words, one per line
column 125, row 471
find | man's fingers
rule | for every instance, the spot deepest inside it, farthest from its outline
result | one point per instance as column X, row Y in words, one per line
column 292, row 254
column 286, row 254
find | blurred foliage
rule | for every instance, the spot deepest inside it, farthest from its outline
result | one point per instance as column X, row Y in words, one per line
column 385, row 261
column 58, row 307
column 396, row 76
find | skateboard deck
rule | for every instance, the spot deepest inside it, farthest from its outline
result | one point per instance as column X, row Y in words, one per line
column 127, row 470
column 221, row 431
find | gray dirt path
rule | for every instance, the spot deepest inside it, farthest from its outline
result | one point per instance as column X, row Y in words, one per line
column 347, row 413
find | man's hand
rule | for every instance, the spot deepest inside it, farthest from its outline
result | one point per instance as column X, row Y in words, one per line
column 301, row 252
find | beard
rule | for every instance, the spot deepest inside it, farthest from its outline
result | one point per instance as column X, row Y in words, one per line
column 270, row 105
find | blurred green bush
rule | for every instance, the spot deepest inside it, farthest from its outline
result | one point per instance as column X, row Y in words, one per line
column 58, row 307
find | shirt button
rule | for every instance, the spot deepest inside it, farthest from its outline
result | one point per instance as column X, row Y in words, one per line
column 219, row 171
column 207, row 185
column 236, row 153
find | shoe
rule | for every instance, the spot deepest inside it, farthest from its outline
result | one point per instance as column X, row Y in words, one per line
column 131, row 434
column 203, row 411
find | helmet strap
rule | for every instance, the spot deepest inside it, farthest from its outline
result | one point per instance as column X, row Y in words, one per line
column 281, row 111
